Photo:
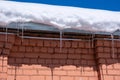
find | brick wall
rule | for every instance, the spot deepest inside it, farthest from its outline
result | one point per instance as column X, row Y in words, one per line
column 108, row 59
column 36, row 59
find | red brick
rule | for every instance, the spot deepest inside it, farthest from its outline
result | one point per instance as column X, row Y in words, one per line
column 2, row 44
column 41, row 61
column 10, row 77
column 31, row 55
column 107, row 50
column 19, row 71
column 73, row 73
column 114, row 72
column 111, row 61
column 57, row 50
column 71, row 51
column 19, row 60
column 60, row 56
column 108, row 78
column 59, row 72
column 18, row 41
column 117, row 78
column 11, row 38
column 76, row 62
column 23, row 78
column 118, row 44
column 116, row 66
column 103, row 55
column 58, row 68
column 29, row 49
column 29, row 72
column 22, row 48
column 88, row 44
column 69, row 67
column 93, row 78
column 33, row 42
column 54, row 44
column 99, row 43
column 85, row 51
column 74, row 56
column 47, row 43
column 81, row 44
column 25, row 42
column 91, row 51
column 62, row 61
column 52, row 78
column 67, row 44
column 64, row 50
column 87, row 56
column 74, row 44
column 78, row 51
column 26, row 60
column 84, row 62
column 67, row 78
column 6, row 51
column 3, row 69
column 33, row 61
column 0, row 50
column 37, row 78
column 103, row 61
column 89, row 68
column 69, row 62
column 90, row 73
column 103, row 66
column 109, row 67
column 44, row 50
column 49, row 61
column 4, row 76
column 36, row 49
column 14, row 49
column 81, row 78
column 44, row 55
column 107, row 43
column 55, row 61
column 40, row 43
column 91, row 62
column 100, row 49
column 16, row 54
column 11, row 60
column 45, row 72
column 2, row 37
column 50, row 50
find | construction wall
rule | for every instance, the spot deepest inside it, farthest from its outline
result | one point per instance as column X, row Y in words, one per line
column 37, row 59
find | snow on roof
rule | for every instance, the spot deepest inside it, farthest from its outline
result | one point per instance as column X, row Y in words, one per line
column 60, row 16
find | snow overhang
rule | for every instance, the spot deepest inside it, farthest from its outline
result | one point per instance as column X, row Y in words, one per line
column 41, row 17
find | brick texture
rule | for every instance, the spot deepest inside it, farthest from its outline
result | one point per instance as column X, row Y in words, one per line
column 36, row 59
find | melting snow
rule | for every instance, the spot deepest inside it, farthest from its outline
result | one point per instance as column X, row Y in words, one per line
column 60, row 16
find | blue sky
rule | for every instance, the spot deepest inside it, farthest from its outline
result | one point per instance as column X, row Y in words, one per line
column 113, row 5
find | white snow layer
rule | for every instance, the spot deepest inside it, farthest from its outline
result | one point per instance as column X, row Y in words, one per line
column 60, row 16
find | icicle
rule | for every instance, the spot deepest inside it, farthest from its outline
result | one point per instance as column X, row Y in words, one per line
column 113, row 52
column 92, row 40
column 22, row 30
column 6, row 38
column 60, row 40
column 17, row 29
column 89, row 42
